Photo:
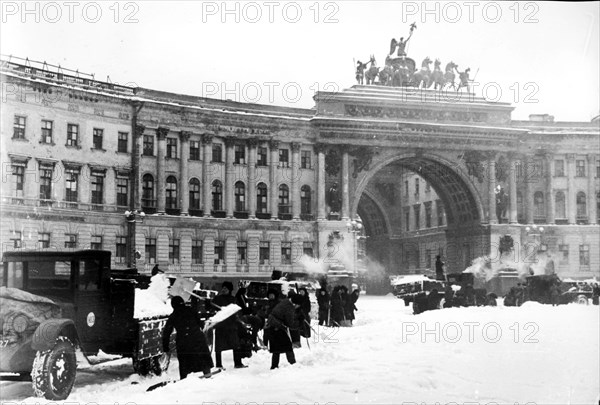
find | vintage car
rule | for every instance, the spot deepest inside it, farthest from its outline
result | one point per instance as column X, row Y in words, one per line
column 409, row 286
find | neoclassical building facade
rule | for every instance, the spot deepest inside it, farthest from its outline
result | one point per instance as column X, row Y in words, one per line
column 218, row 190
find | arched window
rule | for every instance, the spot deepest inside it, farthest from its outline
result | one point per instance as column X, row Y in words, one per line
column 171, row 197
column 148, row 191
column 560, row 208
column 261, row 198
column 194, row 194
column 581, row 205
column 284, row 199
column 305, row 200
column 520, row 210
column 539, row 205
column 240, row 196
column 598, row 207
column 217, row 196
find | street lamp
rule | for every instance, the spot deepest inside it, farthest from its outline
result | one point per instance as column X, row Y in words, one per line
column 132, row 218
column 536, row 232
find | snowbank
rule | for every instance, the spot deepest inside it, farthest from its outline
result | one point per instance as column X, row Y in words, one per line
column 153, row 301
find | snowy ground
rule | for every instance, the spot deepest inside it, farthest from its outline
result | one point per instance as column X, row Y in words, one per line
column 532, row 354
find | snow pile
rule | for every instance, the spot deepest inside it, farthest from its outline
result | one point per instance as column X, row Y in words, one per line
column 486, row 268
column 224, row 313
column 153, row 301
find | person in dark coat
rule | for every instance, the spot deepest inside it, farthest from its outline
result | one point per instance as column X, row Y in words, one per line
column 296, row 332
column 192, row 350
column 280, row 323
column 304, row 311
column 323, row 302
column 226, row 332
column 242, row 301
column 350, row 305
column 337, row 306
column 439, row 269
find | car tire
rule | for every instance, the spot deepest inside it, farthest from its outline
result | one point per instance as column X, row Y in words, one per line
column 582, row 300
column 53, row 372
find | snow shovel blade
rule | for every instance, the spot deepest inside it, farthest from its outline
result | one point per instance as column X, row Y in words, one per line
column 164, row 383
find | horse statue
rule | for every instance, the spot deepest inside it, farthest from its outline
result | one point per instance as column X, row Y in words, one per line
column 449, row 75
column 402, row 74
column 385, row 74
column 437, row 77
column 373, row 71
column 422, row 77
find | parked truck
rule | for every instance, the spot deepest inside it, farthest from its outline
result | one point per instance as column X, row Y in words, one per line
column 52, row 303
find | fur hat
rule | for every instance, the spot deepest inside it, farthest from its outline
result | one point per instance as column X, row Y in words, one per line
column 177, row 301
column 228, row 285
column 296, row 299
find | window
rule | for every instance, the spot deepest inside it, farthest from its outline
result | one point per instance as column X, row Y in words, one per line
column 407, row 220
column 417, row 188
column 581, row 205
column 584, row 255
column 264, row 250
column 539, row 205
column 560, row 208
column 242, row 248
column 18, row 179
column 72, row 177
column 196, row 251
column 598, row 169
column 47, row 132
column 46, row 183
column 598, row 206
column 261, row 198
column 96, row 243
column 19, row 127
column 217, row 153
column 406, row 191
column 171, row 196
column 43, row 240
column 16, row 240
column 98, row 134
column 305, row 156
column 150, row 248
column 219, row 251
column 286, row 252
column 428, row 259
column 217, row 196
column 172, row 148
column 97, row 187
column 122, row 142
column 240, row 197
column 580, row 168
column 194, row 190
column 284, row 199
column 72, row 135
column 148, row 145
column 122, row 191
column 417, row 209
column 121, row 251
column 240, row 154
column 70, row 241
column 148, row 191
column 305, row 196
column 261, row 156
column 427, row 187
column 440, row 212
column 559, row 168
column 564, row 254
column 174, row 251
column 194, row 150
column 284, row 158
column 307, row 249
column 428, row 214
column 520, row 209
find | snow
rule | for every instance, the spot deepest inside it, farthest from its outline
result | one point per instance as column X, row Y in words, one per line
column 221, row 315
column 413, row 278
column 530, row 354
column 153, row 301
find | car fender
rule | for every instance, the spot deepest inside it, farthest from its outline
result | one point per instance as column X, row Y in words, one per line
column 48, row 331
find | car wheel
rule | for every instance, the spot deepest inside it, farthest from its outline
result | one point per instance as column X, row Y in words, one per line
column 53, row 372
column 160, row 363
column 582, row 300
column 142, row 366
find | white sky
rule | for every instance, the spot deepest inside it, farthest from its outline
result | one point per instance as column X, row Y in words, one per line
column 191, row 47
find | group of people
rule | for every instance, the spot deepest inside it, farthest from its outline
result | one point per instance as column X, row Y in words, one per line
column 284, row 318
column 336, row 308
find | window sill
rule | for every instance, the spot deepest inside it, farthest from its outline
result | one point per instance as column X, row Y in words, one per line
column 72, row 146
column 47, row 143
column 98, row 150
column 122, row 153
column 171, row 158
column 19, row 139
column 146, row 155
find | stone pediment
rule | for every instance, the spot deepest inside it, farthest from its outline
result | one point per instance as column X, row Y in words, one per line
column 412, row 104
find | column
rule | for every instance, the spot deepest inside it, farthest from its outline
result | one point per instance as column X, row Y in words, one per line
column 229, row 176
column 321, row 203
column 295, row 180
column 492, row 218
column 273, row 186
column 161, row 135
column 251, row 187
column 206, row 186
column 345, row 186
column 138, row 133
column 591, row 189
column 571, row 202
column 528, row 197
column 550, row 211
column 184, row 136
column 512, row 191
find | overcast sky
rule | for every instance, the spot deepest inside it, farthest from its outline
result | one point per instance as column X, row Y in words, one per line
column 542, row 57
